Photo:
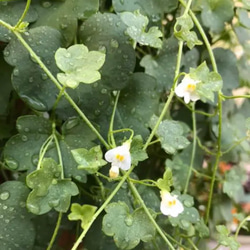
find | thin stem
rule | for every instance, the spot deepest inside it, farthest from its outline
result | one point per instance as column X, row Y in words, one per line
column 59, row 155
column 241, row 225
column 111, row 138
column 54, row 80
column 101, row 186
column 98, row 212
column 170, row 97
column 43, row 150
column 192, row 244
column 58, row 223
column 235, row 96
column 158, row 229
column 193, row 150
column 215, row 167
column 233, row 146
column 124, row 130
column 24, row 14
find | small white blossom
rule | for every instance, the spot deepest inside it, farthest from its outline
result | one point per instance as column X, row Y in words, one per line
column 170, row 205
column 187, row 89
column 120, row 158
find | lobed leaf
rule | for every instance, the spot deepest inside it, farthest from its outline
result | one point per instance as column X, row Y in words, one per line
column 170, row 134
column 83, row 213
column 79, row 65
column 182, row 31
column 89, row 160
column 126, row 228
column 49, row 189
column 16, row 228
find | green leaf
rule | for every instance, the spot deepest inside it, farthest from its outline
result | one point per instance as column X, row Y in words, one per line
column 188, row 217
column 161, row 65
column 202, row 229
column 137, row 153
column 247, row 123
column 16, row 229
column 137, row 103
column 215, row 13
column 21, row 152
column 180, row 172
column 166, row 182
column 170, row 134
column 227, row 68
column 126, row 228
column 49, row 190
column 156, row 11
column 182, row 31
column 225, row 239
column 137, row 24
column 10, row 12
column 89, row 160
column 209, row 82
column 79, row 65
column 64, row 15
column 28, row 79
column 5, row 86
column 243, row 18
column 233, row 184
column 83, row 213
column 105, row 32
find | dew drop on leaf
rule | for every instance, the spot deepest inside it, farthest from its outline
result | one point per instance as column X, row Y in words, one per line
column 114, row 43
column 188, row 203
column 35, row 159
column 12, row 163
column 46, row 4
column 6, row 53
column 54, row 203
column 7, row 221
column 5, row 207
column 24, row 138
column 16, row 72
column 33, row 209
column 4, row 195
column 129, row 221
column 185, row 223
column 108, row 225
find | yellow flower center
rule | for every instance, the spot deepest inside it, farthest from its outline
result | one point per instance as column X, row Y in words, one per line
column 171, row 203
column 191, row 87
column 119, row 157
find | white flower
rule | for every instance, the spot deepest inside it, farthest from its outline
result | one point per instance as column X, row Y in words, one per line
column 120, row 158
column 187, row 89
column 170, row 205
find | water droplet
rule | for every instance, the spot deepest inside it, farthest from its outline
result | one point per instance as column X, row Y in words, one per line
column 185, row 223
column 68, row 55
column 108, row 225
column 5, row 207
column 97, row 112
column 24, row 138
column 11, row 209
column 114, row 43
column 63, row 26
column 35, row 159
column 6, row 53
column 12, row 163
column 33, row 209
column 54, row 203
column 101, row 103
column 22, row 204
column 27, row 130
column 1, row 216
column 16, row 72
column 46, row 4
column 31, row 79
column 6, row 221
column 44, row 76
column 4, row 195
column 129, row 221
column 188, row 203
column 54, row 181
column 104, row 91
column 132, row 110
